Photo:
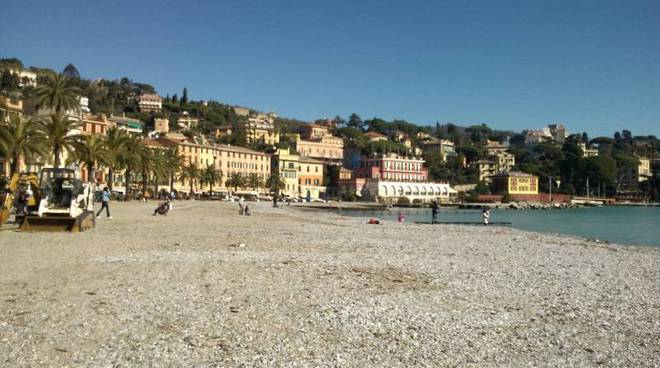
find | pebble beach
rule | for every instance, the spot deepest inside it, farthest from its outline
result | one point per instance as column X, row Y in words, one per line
column 289, row 287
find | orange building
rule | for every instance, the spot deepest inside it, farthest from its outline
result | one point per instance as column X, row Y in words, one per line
column 310, row 177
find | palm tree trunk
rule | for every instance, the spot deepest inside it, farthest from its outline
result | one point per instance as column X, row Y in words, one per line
column 110, row 175
column 191, row 185
column 171, row 183
column 144, row 183
column 91, row 175
column 16, row 168
column 128, row 175
column 56, row 162
column 156, row 178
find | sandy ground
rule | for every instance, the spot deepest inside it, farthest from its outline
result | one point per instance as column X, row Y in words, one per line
column 315, row 289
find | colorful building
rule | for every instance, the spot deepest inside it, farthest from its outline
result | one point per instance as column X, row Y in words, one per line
column 515, row 183
column 129, row 125
column 327, row 148
column 310, row 177
column 8, row 108
column 227, row 159
column 261, row 128
column 314, row 131
column 286, row 164
column 392, row 167
column 444, row 147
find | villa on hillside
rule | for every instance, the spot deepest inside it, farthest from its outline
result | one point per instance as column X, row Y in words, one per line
column 150, row 102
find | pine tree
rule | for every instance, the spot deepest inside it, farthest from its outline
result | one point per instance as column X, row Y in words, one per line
column 184, row 97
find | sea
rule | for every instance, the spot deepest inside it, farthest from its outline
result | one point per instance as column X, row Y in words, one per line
column 616, row 224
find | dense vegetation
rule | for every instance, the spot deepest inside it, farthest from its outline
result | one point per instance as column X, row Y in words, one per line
column 561, row 162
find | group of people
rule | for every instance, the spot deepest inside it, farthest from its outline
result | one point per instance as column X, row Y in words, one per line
column 435, row 209
column 162, row 209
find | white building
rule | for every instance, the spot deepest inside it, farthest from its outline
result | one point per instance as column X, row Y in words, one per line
column 84, row 104
column 150, row 102
column 25, row 78
column 391, row 191
column 186, row 121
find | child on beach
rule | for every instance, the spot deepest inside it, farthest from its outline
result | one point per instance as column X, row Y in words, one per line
column 485, row 215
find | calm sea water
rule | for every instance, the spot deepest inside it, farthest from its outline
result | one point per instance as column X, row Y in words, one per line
column 622, row 225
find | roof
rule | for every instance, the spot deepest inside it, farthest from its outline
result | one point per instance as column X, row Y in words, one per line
column 154, row 143
column 151, row 96
column 514, row 173
column 371, row 134
column 310, row 160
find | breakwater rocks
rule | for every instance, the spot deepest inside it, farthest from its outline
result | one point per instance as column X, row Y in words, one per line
column 521, row 206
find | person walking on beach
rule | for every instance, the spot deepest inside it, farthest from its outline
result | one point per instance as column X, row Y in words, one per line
column 105, row 200
column 241, row 206
column 246, row 211
column 485, row 215
column 434, row 212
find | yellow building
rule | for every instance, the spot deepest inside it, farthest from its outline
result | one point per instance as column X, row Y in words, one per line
column 643, row 169
column 8, row 108
column 227, row 160
column 286, row 164
column 515, row 182
column 261, row 128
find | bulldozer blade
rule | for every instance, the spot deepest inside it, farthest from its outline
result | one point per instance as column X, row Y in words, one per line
column 4, row 215
column 85, row 221
column 50, row 224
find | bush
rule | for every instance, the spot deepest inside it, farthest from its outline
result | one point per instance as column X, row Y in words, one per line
column 403, row 201
column 417, row 201
column 348, row 197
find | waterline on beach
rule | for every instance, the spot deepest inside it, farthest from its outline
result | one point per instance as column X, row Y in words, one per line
column 623, row 225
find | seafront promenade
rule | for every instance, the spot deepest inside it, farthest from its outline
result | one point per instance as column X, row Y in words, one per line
column 205, row 287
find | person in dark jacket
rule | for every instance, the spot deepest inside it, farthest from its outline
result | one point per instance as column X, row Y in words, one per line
column 434, row 212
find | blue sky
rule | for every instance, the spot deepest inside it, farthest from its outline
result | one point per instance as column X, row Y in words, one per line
column 594, row 65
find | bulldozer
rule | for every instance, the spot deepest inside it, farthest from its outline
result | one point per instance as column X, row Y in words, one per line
column 18, row 185
column 67, row 204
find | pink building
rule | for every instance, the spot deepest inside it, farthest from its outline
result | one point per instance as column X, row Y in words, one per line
column 392, row 167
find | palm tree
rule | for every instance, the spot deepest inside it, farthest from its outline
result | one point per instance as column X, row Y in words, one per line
column 146, row 165
column 236, row 181
column 190, row 173
column 130, row 157
column 210, row 176
column 275, row 183
column 93, row 153
column 58, row 93
column 254, row 181
column 115, row 143
column 172, row 163
column 57, row 130
column 21, row 138
column 158, row 169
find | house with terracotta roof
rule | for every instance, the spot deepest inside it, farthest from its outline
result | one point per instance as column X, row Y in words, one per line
column 375, row 136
